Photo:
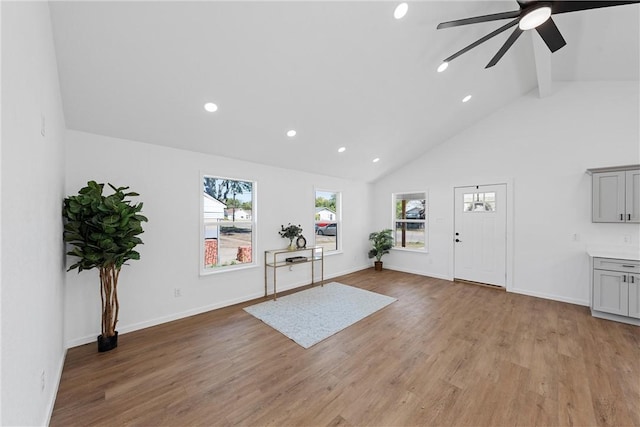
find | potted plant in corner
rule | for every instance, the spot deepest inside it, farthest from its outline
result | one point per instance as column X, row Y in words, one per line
column 381, row 242
column 103, row 231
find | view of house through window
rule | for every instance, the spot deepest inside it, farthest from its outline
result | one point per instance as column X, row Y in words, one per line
column 228, row 222
column 327, row 220
column 410, row 220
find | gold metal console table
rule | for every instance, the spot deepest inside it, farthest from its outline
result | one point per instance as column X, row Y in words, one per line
column 276, row 258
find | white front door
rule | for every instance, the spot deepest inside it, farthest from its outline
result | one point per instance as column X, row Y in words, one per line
column 480, row 229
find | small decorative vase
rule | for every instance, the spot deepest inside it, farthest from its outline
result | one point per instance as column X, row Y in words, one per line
column 292, row 246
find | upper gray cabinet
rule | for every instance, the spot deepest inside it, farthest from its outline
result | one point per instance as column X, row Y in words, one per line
column 616, row 194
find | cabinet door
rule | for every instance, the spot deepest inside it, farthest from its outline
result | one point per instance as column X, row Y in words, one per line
column 610, row 292
column 634, row 295
column 632, row 187
column 609, row 197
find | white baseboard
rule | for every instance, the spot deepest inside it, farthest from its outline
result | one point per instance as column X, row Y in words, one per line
column 514, row 290
column 419, row 273
column 198, row 310
column 56, row 386
column 549, row 296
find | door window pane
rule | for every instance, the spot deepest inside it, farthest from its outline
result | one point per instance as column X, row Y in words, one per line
column 479, row 202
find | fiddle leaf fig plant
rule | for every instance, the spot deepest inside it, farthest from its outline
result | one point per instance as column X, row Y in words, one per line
column 103, row 232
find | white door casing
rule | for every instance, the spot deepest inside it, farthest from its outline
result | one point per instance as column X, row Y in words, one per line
column 480, row 227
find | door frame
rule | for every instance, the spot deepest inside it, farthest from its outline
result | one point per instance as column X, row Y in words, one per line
column 509, row 267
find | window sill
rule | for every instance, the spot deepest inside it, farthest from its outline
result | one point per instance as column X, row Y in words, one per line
column 220, row 270
column 417, row 251
column 326, row 254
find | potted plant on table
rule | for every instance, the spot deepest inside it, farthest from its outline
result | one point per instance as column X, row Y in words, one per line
column 103, row 231
column 290, row 232
column 381, row 242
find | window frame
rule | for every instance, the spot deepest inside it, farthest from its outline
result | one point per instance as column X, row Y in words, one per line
column 424, row 221
column 253, row 222
column 338, row 221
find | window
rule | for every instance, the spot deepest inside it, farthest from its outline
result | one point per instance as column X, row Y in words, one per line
column 328, row 227
column 228, row 223
column 410, row 220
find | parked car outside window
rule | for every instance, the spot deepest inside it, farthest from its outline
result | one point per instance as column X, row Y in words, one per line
column 327, row 230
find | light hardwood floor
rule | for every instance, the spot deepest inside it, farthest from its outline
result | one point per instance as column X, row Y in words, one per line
column 443, row 354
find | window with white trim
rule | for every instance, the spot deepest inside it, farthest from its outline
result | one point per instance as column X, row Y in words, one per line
column 328, row 220
column 410, row 221
column 228, row 223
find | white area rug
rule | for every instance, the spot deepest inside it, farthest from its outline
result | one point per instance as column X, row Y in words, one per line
column 309, row 316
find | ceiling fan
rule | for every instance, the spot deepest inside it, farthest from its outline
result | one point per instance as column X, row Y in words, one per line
column 532, row 14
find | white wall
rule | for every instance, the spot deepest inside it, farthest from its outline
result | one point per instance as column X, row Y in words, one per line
column 170, row 186
column 32, row 191
column 543, row 148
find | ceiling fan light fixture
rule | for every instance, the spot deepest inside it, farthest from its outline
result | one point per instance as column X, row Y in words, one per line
column 443, row 66
column 534, row 18
column 400, row 11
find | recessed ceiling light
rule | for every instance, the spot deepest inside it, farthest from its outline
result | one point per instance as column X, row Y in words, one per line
column 291, row 133
column 443, row 67
column 376, row 160
column 210, row 107
column 401, row 10
column 466, row 98
column 341, row 149
column 535, row 18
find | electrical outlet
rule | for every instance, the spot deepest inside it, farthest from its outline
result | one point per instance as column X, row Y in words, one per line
column 177, row 293
column 42, row 381
column 575, row 237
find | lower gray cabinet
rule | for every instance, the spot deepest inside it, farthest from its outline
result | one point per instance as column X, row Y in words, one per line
column 616, row 288
column 634, row 296
column 610, row 292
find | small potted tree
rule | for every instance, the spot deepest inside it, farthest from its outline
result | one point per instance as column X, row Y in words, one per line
column 381, row 242
column 103, row 231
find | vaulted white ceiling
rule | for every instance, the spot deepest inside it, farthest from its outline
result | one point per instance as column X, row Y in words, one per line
column 342, row 74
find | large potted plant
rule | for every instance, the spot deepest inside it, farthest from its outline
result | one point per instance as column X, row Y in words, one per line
column 103, row 232
column 381, row 243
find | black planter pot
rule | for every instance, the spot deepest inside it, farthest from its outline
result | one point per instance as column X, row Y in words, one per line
column 107, row 343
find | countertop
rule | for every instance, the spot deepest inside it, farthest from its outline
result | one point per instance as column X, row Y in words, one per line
column 630, row 253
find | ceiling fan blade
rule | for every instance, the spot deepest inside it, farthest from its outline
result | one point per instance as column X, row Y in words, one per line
column 574, row 6
column 512, row 38
column 482, row 40
column 551, row 35
column 477, row 19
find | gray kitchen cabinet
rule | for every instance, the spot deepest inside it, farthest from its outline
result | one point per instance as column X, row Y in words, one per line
column 616, row 289
column 616, row 194
column 634, row 296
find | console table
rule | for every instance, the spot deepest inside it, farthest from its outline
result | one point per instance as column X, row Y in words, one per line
column 276, row 258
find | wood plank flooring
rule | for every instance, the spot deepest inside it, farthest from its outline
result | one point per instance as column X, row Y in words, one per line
column 444, row 354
